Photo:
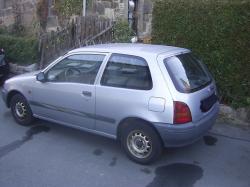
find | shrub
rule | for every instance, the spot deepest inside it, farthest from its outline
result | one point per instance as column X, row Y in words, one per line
column 3, row 30
column 122, row 32
column 69, row 7
column 20, row 50
column 218, row 31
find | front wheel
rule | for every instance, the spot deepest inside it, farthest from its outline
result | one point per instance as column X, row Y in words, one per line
column 141, row 143
column 21, row 110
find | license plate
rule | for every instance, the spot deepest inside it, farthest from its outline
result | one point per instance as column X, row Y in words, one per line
column 207, row 103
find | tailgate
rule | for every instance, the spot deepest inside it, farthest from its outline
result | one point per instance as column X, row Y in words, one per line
column 200, row 102
column 189, row 81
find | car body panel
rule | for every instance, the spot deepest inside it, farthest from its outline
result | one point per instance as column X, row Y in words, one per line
column 74, row 105
column 130, row 103
column 64, row 102
column 185, row 134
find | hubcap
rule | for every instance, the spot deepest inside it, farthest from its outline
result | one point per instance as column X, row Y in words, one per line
column 139, row 144
column 20, row 110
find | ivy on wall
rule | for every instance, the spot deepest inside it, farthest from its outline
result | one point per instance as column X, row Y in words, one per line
column 67, row 8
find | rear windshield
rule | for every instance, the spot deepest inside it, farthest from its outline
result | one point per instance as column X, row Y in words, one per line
column 187, row 72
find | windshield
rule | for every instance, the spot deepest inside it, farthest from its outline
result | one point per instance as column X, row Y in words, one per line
column 187, row 72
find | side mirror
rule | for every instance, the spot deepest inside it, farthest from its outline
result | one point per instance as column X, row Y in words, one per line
column 40, row 77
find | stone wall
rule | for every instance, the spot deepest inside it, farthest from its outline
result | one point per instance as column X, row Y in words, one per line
column 240, row 116
column 118, row 9
column 27, row 11
column 112, row 9
column 19, row 69
column 6, row 17
column 145, row 9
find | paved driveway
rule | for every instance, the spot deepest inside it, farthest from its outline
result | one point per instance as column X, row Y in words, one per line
column 47, row 154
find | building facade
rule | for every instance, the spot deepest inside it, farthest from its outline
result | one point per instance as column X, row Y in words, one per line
column 9, row 9
column 137, row 12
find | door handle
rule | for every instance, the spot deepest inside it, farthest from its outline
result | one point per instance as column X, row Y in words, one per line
column 86, row 93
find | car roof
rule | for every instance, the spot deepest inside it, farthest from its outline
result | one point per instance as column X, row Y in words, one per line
column 131, row 49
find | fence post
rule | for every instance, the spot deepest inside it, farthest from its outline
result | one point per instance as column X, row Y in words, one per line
column 80, row 32
column 42, row 49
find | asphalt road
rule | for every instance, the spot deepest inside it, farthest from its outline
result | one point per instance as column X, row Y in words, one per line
column 48, row 154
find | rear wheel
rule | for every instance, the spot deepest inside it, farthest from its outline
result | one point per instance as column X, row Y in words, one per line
column 141, row 143
column 21, row 110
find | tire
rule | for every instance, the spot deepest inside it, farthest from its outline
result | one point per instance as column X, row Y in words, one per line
column 20, row 110
column 141, row 143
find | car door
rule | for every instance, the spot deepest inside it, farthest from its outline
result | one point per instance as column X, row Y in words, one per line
column 123, row 90
column 68, row 94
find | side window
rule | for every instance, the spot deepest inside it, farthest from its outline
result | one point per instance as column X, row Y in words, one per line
column 126, row 71
column 81, row 68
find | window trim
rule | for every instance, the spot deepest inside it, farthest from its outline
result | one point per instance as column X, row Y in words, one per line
column 59, row 59
column 116, row 87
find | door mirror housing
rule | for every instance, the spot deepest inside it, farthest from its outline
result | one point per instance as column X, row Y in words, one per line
column 40, row 77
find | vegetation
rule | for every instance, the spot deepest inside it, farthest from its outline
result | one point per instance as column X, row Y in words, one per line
column 122, row 32
column 21, row 47
column 21, row 50
column 218, row 31
column 67, row 8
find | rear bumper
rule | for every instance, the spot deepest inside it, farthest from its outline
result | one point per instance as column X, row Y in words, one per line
column 185, row 134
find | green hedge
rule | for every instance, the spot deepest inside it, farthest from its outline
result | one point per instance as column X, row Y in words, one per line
column 21, row 50
column 218, row 31
column 122, row 32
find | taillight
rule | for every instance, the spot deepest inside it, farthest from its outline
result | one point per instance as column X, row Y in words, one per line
column 182, row 113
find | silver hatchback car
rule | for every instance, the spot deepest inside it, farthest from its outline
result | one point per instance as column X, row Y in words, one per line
column 146, row 96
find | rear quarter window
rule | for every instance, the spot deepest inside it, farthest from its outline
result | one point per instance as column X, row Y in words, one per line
column 187, row 73
column 127, row 71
